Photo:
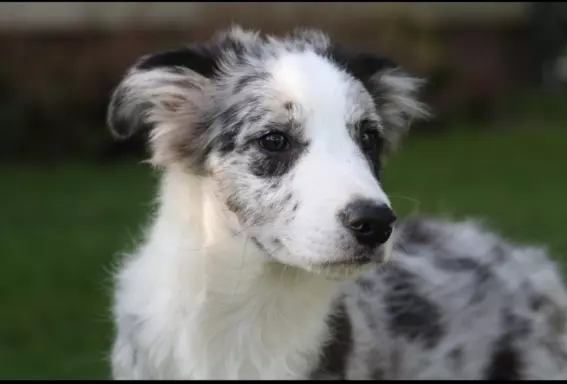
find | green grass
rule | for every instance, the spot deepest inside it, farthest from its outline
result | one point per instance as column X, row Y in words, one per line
column 515, row 180
column 62, row 226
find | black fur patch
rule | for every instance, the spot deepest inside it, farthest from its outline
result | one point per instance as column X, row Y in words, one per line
column 410, row 314
column 274, row 165
column 373, row 154
column 197, row 60
column 202, row 58
column 505, row 361
column 360, row 65
column 334, row 358
column 376, row 164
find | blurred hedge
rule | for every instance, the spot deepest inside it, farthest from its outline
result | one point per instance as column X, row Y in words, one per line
column 55, row 86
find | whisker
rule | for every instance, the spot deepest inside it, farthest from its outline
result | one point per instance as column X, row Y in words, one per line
column 416, row 203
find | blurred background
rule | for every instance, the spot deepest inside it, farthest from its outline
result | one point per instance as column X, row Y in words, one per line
column 72, row 199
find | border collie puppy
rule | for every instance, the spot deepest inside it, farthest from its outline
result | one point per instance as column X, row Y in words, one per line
column 274, row 252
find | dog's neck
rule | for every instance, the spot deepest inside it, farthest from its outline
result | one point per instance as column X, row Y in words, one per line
column 256, row 318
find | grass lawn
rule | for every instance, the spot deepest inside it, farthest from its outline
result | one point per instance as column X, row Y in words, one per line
column 62, row 226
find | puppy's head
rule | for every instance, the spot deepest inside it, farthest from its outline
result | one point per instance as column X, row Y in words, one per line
column 291, row 131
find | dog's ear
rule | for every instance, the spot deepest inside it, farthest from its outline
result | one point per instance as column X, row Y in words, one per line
column 164, row 94
column 395, row 93
column 158, row 86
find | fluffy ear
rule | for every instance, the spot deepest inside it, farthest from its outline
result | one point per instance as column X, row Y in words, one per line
column 394, row 92
column 155, row 86
column 163, row 94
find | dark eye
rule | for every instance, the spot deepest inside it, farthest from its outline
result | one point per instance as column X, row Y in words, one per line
column 274, row 142
column 369, row 139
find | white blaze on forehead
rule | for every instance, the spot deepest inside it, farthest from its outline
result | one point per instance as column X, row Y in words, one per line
column 317, row 86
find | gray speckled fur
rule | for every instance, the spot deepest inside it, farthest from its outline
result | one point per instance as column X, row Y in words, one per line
column 500, row 292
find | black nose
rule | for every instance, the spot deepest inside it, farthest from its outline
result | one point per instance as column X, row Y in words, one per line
column 371, row 223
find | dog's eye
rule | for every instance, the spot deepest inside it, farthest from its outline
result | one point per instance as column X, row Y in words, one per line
column 369, row 139
column 274, row 142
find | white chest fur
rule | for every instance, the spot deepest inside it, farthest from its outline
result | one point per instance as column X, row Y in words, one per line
column 214, row 308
